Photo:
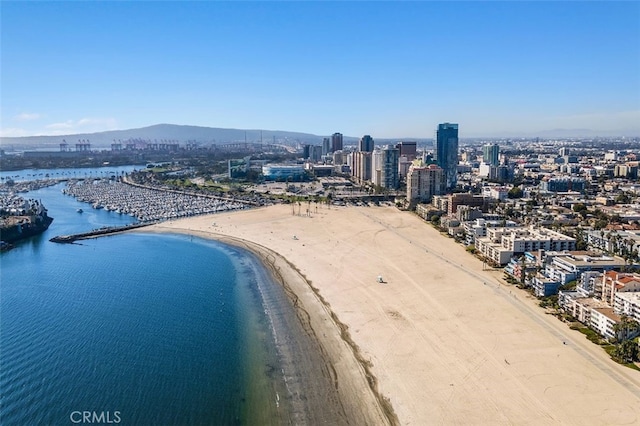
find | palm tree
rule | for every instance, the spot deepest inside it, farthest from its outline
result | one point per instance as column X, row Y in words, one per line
column 625, row 328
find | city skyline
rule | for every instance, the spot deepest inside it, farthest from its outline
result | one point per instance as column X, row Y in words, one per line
column 385, row 69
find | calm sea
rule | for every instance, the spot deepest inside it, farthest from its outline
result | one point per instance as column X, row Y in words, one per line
column 139, row 328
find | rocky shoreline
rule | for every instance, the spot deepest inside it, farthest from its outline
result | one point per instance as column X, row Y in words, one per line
column 21, row 219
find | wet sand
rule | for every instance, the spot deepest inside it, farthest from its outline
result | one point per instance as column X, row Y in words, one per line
column 326, row 381
column 440, row 341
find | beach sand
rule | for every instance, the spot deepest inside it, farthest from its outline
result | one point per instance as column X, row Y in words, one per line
column 440, row 341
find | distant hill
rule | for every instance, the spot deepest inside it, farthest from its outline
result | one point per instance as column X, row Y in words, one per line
column 159, row 132
column 214, row 135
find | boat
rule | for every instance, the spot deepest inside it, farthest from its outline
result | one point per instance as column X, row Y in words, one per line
column 79, row 210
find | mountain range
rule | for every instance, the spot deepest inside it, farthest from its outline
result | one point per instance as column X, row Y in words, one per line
column 162, row 132
column 214, row 135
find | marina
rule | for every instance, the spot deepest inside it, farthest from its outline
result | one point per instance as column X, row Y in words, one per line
column 147, row 204
column 65, row 307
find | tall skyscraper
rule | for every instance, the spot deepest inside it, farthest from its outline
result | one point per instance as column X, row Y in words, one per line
column 376, row 167
column 389, row 177
column 366, row 144
column 326, row 146
column 336, row 142
column 491, row 154
column 447, row 152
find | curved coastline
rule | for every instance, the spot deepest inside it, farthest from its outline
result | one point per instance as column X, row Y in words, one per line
column 446, row 340
column 328, row 380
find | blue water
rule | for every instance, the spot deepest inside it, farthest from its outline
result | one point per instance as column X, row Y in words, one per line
column 162, row 329
column 79, row 172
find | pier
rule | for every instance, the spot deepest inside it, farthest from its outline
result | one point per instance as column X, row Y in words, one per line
column 68, row 239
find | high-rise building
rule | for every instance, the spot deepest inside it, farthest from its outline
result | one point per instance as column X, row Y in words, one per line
column 389, row 171
column 376, row 167
column 339, row 157
column 336, row 142
column 312, row 152
column 361, row 168
column 423, row 182
column 491, row 154
column 326, row 146
column 366, row 144
column 315, row 153
column 408, row 149
column 447, row 152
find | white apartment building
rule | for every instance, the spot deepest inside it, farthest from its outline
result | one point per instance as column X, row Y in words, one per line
column 501, row 244
column 496, row 192
column 376, row 168
column 579, row 307
column 628, row 304
column 588, row 282
column 478, row 228
column 520, row 240
column 491, row 246
column 603, row 320
column 566, row 267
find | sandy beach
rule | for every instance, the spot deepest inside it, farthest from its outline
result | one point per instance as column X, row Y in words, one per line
column 440, row 341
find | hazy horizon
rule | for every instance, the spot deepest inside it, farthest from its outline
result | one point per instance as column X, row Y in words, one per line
column 499, row 69
column 253, row 134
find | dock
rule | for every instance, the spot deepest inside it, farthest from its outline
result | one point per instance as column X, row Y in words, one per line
column 68, row 239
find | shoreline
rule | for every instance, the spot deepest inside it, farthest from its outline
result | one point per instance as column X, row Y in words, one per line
column 347, row 376
column 442, row 340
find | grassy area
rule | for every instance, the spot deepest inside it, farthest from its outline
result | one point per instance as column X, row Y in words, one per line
column 631, row 365
column 159, row 169
column 591, row 335
column 608, row 348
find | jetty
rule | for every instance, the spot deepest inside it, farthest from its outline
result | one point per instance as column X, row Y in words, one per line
column 68, row 239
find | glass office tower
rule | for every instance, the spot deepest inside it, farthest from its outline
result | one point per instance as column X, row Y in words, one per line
column 447, row 152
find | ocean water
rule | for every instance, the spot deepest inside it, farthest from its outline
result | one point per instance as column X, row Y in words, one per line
column 143, row 329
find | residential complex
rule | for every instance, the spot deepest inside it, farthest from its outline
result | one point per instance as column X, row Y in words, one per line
column 423, row 182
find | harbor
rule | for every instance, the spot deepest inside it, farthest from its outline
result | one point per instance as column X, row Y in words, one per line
column 148, row 204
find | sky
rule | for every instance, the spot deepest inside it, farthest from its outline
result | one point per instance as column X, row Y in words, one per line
column 388, row 69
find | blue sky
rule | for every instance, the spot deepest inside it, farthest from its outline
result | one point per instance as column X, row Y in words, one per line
column 389, row 69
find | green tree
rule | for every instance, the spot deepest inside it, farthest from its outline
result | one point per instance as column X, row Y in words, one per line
column 515, row 192
column 626, row 351
column 623, row 198
column 624, row 328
